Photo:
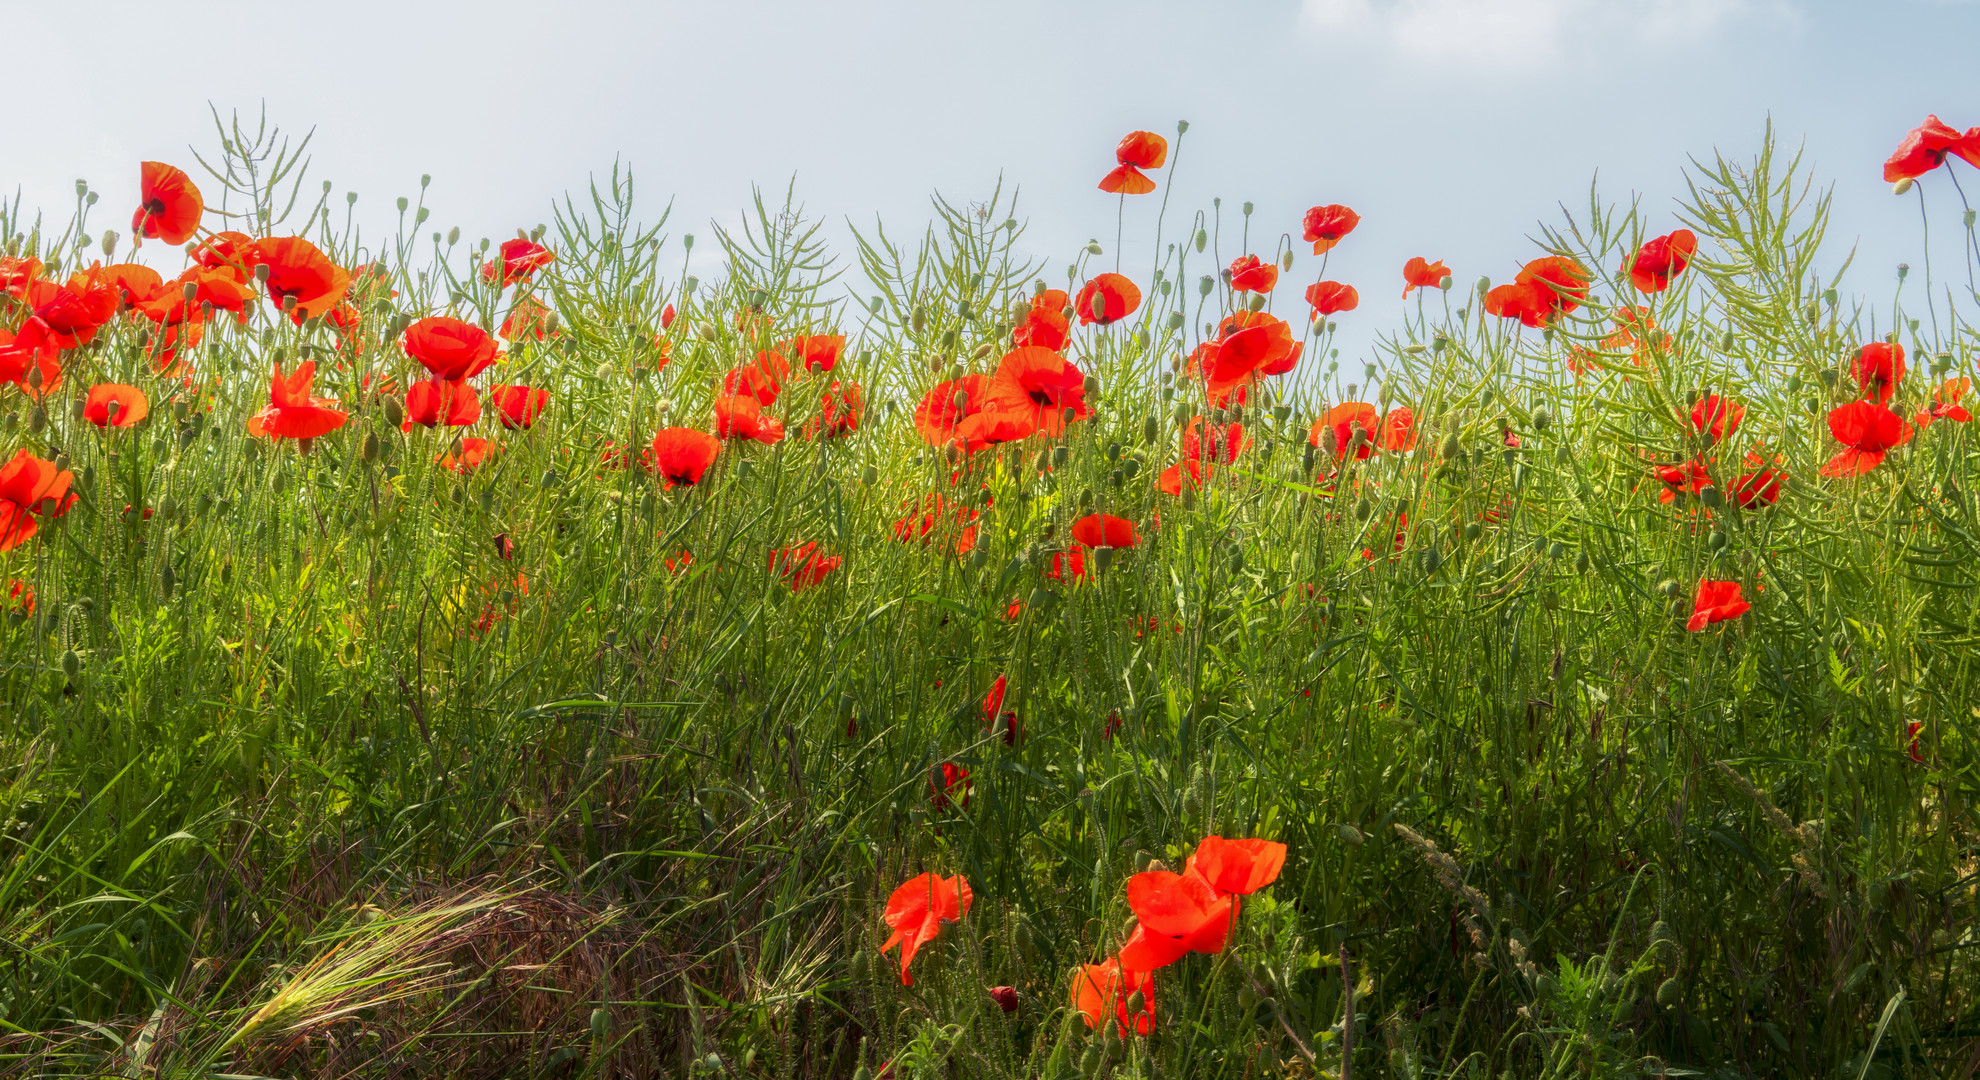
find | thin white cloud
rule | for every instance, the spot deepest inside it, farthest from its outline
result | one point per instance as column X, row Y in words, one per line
column 1525, row 34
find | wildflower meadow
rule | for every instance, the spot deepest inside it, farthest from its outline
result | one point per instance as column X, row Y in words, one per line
column 525, row 657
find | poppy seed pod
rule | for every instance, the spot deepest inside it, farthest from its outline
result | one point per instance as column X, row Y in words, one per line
column 1711, row 496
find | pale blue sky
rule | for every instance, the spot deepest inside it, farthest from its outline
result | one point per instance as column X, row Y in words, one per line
column 1451, row 125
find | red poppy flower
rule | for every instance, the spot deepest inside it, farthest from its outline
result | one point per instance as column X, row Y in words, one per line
column 739, row 417
column 1104, row 530
column 1006, row 998
column 917, row 910
column 296, row 268
column 449, row 348
column 132, row 283
column 1419, row 273
column 431, row 402
column 1715, row 417
column 1039, row 385
column 30, row 489
column 681, row 455
column 1238, row 866
column 169, row 205
column 20, row 597
column 1661, row 259
column 676, row 565
column 35, row 349
column 74, row 311
column 1105, row 299
column 220, row 288
column 1543, row 289
column 1945, row 404
column 1879, row 369
column 1867, row 431
column 518, row 406
column 817, row 352
column 1248, row 343
column 528, row 317
column 762, row 380
column 1356, row 428
column 1171, row 481
column 1330, row 297
column 1066, row 564
column 1398, row 432
column 472, row 453
column 1761, row 487
column 1136, row 151
column 1685, row 478
column 520, row 259
column 942, row 418
column 943, row 781
column 667, row 316
column 1717, row 601
column 925, row 516
column 838, row 411
column 1045, row 324
column 1106, row 988
column 1178, row 914
column 130, row 401
column 292, row 413
column 994, row 711
column 17, row 272
column 1217, row 442
column 1249, row 274
column 1925, row 148
column 1326, row 225
column 802, row 567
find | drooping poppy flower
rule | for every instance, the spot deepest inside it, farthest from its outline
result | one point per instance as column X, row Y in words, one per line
column 432, row 402
column 1106, row 298
column 1327, row 225
column 1945, row 404
column 518, row 406
column 1543, row 289
column 292, row 413
column 527, row 317
column 802, row 567
column 1040, row 386
column 1045, row 324
column 740, row 417
column 1715, row 417
column 473, row 452
column 169, row 205
column 1867, row 431
column 1660, row 259
column 1104, row 530
column 817, row 352
column 30, row 489
column 681, row 455
column 1925, row 148
column 1331, row 297
column 944, row 782
column 1104, row 990
column 994, row 713
column 1879, row 368
column 1238, row 866
column 1250, row 274
column 298, row 269
column 1716, row 601
column 1136, row 151
column 1761, row 487
column 1684, row 478
column 917, row 910
column 131, row 405
column 520, row 259
column 1419, row 273
column 1178, row 914
column 449, row 348
column 838, row 411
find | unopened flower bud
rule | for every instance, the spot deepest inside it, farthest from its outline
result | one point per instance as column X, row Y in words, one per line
column 71, row 664
column 109, row 242
column 395, row 412
column 1484, row 285
column 1059, row 455
column 1349, row 834
column 1444, row 283
column 1093, row 247
column 1902, row 186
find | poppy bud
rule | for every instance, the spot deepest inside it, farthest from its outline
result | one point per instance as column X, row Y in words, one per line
column 1286, row 260
column 1451, row 447
column 1059, row 455
column 1669, row 587
column 1093, row 247
column 1541, row 420
column 1670, row 992
column 1257, row 302
column 955, row 454
column 1444, row 283
column 1349, row 834
column 1202, row 239
column 1430, row 560
column 1969, row 218
column 1089, row 1062
column 1092, row 387
column 1330, row 441
column 1363, row 509
column 1717, row 540
column 1484, row 285
column 1473, row 531
column 961, row 401
column 1582, row 563
column 1903, row 269
column 1563, row 456
column 1711, row 496
column 75, row 407
column 453, row 236
column 1902, row 185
